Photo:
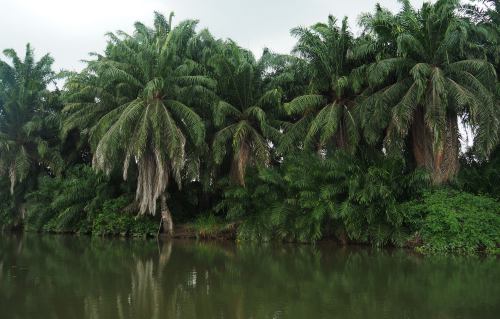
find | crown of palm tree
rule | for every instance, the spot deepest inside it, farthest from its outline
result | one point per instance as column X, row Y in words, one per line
column 326, row 112
column 241, row 111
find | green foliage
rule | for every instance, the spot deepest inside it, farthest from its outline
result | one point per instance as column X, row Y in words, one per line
column 321, row 143
column 327, row 108
column 113, row 221
column 66, row 204
column 426, row 71
column 212, row 226
column 135, row 102
column 308, row 198
column 83, row 201
column 240, row 115
column 481, row 177
column 29, row 121
column 457, row 222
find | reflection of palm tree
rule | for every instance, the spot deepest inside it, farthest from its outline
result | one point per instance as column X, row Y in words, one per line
column 238, row 311
column 144, row 286
column 119, row 305
column 165, row 254
column 91, row 307
column 146, row 289
column 126, row 279
column 20, row 245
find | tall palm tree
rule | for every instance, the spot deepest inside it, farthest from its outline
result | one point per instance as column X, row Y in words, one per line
column 201, row 49
column 286, row 72
column 28, row 118
column 486, row 18
column 139, row 92
column 326, row 112
column 240, row 114
column 425, row 79
column 485, row 21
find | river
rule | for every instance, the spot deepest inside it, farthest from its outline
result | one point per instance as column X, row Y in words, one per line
column 49, row 276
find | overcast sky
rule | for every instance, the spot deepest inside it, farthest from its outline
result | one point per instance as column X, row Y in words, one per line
column 70, row 29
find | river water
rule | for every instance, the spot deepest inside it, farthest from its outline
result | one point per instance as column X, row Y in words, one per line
column 48, row 276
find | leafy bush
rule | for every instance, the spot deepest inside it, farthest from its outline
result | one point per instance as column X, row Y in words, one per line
column 113, row 221
column 82, row 201
column 65, row 204
column 211, row 226
column 207, row 225
column 249, row 206
column 481, row 177
column 454, row 221
column 308, row 198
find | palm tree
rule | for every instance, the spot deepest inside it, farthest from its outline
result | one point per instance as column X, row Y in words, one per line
column 486, row 20
column 28, row 118
column 326, row 111
column 139, row 91
column 286, row 72
column 423, row 80
column 241, row 112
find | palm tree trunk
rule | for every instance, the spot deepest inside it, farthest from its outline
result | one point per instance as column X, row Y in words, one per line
column 166, row 216
column 340, row 138
column 441, row 160
column 446, row 161
column 421, row 141
column 239, row 164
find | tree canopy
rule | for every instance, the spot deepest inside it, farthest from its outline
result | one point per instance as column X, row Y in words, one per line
column 343, row 137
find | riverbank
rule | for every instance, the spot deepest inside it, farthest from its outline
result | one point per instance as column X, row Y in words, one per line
column 381, row 208
column 218, row 231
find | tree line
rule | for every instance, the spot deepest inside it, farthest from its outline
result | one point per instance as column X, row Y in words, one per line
column 360, row 138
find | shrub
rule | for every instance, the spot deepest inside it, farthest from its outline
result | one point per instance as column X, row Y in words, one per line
column 459, row 222
column 308, row 198
column 481, row 177
column 114, row 221
column 209, row 226
column 82, row 201
column 65, row 204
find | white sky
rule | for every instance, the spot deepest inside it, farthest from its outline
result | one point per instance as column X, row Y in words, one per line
column 70, row 29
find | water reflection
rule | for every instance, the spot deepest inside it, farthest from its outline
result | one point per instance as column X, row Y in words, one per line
column 80, row 277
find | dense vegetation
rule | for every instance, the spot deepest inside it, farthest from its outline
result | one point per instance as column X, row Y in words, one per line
column 355, row 138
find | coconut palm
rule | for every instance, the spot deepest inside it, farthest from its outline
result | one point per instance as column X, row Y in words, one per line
column 240, row 114
column 28, row 120
column 426, row 79
column 139, row 91
column 326, row 111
